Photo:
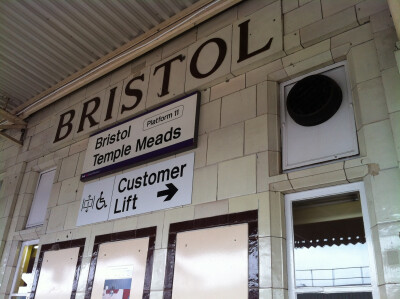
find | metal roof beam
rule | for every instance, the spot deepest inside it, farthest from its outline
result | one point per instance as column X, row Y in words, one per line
column 11, row 117
column 10, row 138
column 15, row 126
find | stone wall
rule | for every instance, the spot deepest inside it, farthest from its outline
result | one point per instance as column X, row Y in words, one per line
column 238, row 158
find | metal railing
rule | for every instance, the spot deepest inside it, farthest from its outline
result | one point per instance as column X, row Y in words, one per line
column 333, row 277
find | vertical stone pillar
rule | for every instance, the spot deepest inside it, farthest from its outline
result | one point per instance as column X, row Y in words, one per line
column 394, row 7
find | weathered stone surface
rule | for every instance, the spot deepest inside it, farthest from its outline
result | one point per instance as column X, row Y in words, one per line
column 391, row 79
column 237, row 177
column 363, row 63
column 226, row 143
column 385, row 42
column 332, row 7
column 228, row 87
column 206, row 63
column 260, row 74
column 239, row 106
column 110, row 111
column 307, row 59
column 372, row 102
column 292, row 43
column 264, row 37
column 369, row 7
column 288, row 5
column 328, row 27
column 353, row 37
column 380, row 145
column 217, row 23
column 302, row 16
column 179, row 43
column 167, row 79
column 131, row 105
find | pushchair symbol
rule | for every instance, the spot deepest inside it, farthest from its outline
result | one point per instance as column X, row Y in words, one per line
column 87, row 203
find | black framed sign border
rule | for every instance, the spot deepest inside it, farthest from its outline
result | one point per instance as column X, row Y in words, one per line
column 159, row 154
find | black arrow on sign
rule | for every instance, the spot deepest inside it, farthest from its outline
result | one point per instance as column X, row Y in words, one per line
column 170, row 192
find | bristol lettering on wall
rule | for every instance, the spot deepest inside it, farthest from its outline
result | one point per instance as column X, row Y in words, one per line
column 249, row 42
column 158, row 133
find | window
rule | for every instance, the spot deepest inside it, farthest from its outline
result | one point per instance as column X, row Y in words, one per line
column 328, row 251
column 23, row 276
column 41, row 198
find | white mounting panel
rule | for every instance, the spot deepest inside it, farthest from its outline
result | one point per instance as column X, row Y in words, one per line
column 334, row 139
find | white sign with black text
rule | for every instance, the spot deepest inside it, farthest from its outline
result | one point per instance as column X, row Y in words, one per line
column 158, row 133
column 159, row 186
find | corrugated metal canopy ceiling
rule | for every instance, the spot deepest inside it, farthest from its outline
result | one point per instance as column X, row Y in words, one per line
column 42, row 42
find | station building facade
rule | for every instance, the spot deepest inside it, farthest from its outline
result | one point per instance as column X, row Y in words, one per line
column 293, row 190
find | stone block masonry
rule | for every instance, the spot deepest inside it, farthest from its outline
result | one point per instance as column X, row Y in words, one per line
column 237, row 61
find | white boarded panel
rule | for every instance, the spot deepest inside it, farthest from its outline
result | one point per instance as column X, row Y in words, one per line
column 121, row 260
column 40, row 201
column 212, row 263
column 57, row 274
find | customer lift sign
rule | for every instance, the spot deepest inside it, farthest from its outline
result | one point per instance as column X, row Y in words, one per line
column 157, row 133
column 156, row 187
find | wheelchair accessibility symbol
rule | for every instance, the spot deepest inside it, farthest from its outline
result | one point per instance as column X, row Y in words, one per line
column 101, row 203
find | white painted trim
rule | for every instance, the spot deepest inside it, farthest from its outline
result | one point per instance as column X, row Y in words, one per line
column 324, row 69
column 26, row 243
column 305, row 195
column 30, row 216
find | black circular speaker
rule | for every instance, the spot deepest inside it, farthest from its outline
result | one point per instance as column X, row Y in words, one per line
column 313, row 100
